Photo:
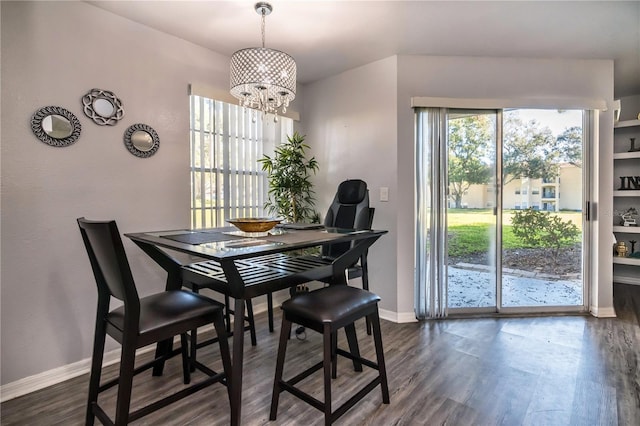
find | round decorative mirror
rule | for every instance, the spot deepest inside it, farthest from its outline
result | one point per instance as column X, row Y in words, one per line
column 141, row 140
column 103, row 107
column 55, row 126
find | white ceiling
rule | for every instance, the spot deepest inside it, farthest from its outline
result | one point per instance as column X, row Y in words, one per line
column 328, row 37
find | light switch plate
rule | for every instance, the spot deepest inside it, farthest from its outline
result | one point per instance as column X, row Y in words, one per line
column 384, row 193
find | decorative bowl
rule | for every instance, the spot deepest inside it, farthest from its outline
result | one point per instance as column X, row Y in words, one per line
column 254, row 224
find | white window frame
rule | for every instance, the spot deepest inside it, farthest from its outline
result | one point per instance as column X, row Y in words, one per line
column 226, row 142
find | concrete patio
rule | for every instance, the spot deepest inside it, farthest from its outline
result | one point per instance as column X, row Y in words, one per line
column 470, row 286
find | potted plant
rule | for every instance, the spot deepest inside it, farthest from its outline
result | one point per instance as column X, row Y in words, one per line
column 291, row 194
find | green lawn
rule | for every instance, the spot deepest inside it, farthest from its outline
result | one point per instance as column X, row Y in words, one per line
column 470, row 230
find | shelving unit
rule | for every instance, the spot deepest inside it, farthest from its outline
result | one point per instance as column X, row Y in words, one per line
column 626, row 270
column 627, row 123
column 626, row 261
column 626, row 193
column 626, row 229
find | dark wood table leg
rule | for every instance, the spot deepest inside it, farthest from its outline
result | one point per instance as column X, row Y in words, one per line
column 236, row 366
column 270, row 310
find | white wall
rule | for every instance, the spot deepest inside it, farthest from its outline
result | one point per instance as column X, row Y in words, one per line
column 52, row 54
column 351, row 127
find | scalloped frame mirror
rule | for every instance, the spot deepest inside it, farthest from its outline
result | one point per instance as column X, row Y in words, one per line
column 103, row 107
column 141, row 140
column 55, row 126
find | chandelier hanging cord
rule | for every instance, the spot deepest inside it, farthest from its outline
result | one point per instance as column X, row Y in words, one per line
column 264, row 20
column 263, row 9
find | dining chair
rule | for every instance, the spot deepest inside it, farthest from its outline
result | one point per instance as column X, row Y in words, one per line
column 350, row 209
column 141, row 322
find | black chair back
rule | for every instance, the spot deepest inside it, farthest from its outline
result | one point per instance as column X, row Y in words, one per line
column 349, row 209
column 110, row 265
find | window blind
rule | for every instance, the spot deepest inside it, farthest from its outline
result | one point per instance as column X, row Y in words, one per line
column 226, row 143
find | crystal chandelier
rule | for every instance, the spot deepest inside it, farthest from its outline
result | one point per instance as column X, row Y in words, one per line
column 261, row 78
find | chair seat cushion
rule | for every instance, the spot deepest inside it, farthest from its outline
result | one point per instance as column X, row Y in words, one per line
column 330, row 304
column 168, row 309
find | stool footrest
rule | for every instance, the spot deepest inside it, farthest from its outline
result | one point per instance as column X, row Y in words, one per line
column 100, row 414
column 355, row 398
column 209, row 372
column 213, row 378
column 144, row 367
column 306, row 373
column 212, row 340
column 364, row 361
column 175, row 397
column 286, row 386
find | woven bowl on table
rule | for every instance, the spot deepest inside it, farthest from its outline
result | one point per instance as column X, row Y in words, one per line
column 254, row 224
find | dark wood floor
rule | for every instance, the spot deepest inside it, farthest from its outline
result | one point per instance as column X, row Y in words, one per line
column 559, row 370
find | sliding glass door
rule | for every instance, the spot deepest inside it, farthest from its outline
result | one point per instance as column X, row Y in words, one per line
column 542, row 205
column 511, row 238
column 472, row 141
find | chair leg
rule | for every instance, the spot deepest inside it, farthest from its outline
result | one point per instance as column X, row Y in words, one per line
column 285, row 329
column 96, row 369
column 270, row 310
column 162, row 349
column 334, row 354
column 352, row 339
column 223, row 341
column 125, row 382
column 327, row 343
column 382, row 370
column 252, row 324
column 365, row 286
column 194, row 337
column 186, row 364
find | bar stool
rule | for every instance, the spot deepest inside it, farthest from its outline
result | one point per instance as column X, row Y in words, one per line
column 326, row 311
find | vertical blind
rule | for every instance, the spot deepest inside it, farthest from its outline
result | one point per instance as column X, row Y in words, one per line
column 226, row 143
column 431, row 228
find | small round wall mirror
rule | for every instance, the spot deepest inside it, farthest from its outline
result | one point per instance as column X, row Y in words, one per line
column 55, row 126
column 141, row 140
column 103, row 107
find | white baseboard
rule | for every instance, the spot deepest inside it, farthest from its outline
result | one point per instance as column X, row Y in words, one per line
column 60, row 374
column 56, row 375
column 602, row 312
column 396, row 317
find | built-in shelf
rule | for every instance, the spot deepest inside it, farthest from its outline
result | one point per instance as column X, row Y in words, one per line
column 626, row 261
column 626, row 270
column 627, row 193
column 627, row 229
column 626, row 123
column 622, row 279
column 626, row 155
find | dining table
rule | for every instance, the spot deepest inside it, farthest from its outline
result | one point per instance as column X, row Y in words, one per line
column 246, row 265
